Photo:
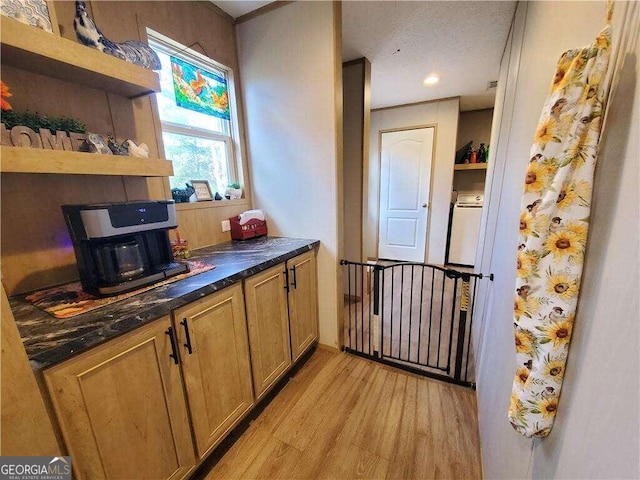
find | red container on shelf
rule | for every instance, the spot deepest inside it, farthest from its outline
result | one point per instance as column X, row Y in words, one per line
column 253, row 228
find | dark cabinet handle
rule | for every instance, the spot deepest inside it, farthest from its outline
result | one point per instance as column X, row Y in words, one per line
column 286, row 279
column 294, row 284
column 186, row 335
column 174, row 348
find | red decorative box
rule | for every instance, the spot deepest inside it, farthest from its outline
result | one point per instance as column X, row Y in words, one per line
column 253, row 228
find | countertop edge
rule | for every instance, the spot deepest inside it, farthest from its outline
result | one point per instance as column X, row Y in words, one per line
column 51, row 357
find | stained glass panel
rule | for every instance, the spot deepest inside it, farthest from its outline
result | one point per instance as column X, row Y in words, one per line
column 199, row 90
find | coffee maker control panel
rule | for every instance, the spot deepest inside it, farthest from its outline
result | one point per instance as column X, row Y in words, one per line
column 114, row 219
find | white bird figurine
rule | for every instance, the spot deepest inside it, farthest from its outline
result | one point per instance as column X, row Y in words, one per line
column 140, row 151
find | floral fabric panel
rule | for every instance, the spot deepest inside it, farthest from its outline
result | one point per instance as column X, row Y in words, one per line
column 553, row 233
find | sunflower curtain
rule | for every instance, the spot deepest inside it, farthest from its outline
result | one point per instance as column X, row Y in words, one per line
column 553, row 231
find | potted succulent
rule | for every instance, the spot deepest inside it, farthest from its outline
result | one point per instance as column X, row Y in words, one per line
column 234, row 191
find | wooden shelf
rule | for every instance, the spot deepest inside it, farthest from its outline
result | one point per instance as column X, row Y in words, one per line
column 37, row 51
column 38, row 160
column 210, row 204
column 470, row 166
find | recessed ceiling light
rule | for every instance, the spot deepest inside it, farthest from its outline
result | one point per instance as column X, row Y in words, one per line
column 431, row 80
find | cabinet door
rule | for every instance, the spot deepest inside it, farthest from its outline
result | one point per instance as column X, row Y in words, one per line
column 303, row 303
column 122, row 410
column 215, row 364
column 268, row 320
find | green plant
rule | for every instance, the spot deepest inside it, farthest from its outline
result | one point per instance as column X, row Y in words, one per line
column 234, row 185
column 35, row 122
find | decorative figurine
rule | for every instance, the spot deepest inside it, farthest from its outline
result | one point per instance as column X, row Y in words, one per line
column 95, row 144
column 233, row 192
column 181, row 195
column 115, row 147
column 130, row 51
column 140, row 151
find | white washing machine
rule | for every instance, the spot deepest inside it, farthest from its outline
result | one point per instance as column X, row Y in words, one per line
column 465, row 228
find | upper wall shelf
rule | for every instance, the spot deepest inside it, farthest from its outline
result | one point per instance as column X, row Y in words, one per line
column 38, row 160
column 35, row 50
column 470, row 166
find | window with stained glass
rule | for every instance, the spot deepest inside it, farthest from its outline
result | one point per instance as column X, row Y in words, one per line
column 195, row 112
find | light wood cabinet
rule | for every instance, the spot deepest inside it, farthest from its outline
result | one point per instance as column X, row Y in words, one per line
column 268, row 322
column 128, row 408
column 214, row 350
column 122, row 410
column 303, row 303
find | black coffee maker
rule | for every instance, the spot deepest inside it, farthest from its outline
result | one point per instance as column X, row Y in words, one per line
column 122, row 246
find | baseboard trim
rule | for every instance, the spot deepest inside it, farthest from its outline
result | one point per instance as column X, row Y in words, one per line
column 327, row 348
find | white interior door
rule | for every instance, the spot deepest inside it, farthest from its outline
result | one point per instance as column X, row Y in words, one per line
column 405, row 179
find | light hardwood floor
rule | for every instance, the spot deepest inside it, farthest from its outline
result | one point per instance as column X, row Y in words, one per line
column 344, row 417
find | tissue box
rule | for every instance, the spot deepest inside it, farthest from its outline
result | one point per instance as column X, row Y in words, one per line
column 253, row 228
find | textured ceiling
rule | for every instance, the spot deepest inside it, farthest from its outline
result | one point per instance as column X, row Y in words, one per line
column 240, row 7
column 461, row 42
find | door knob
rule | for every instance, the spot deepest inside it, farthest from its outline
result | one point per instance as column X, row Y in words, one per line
column 425, row 205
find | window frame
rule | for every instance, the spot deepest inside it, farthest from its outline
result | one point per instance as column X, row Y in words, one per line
column 232, row 138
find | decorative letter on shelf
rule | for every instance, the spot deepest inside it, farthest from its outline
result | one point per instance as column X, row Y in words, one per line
column 25, row 137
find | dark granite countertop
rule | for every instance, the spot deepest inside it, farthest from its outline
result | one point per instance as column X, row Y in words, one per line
column 49, row 340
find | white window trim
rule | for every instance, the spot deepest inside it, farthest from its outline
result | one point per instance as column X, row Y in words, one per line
column 232, row 169
column 234, row 147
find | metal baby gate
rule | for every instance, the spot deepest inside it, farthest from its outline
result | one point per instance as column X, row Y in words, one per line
column 414, row 316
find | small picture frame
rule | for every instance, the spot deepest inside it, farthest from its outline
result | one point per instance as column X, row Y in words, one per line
column 202, row 190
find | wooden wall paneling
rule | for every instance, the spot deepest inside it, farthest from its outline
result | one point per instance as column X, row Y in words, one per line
column 36, row 250
column 50, row 96
column 26, row 426
column 159, row 188
column 136, row 188
column 184, row 22
column 218, row 11
column 53, row 17
column 65, row 11
column 201, row 226
column 134, row 119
